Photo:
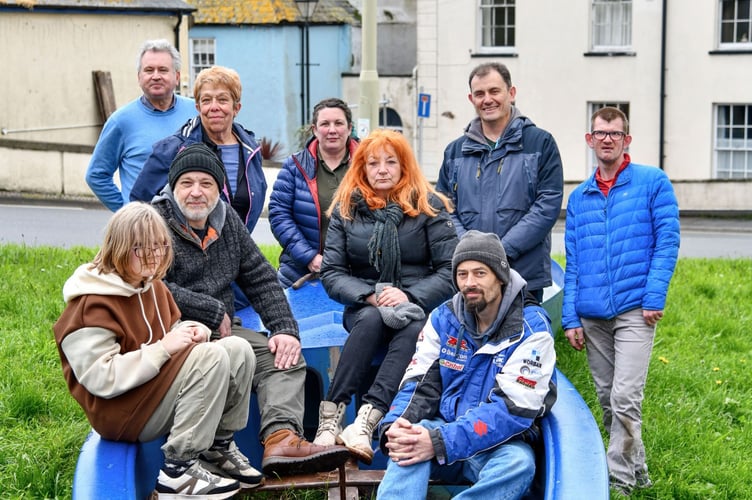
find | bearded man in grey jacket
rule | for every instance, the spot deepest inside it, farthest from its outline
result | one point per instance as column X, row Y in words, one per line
column 213, row 249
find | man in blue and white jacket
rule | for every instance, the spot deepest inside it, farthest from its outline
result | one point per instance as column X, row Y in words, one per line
column 482, row 374
column 622, row 242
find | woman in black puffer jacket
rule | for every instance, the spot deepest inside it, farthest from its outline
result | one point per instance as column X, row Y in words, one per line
column 388, row 259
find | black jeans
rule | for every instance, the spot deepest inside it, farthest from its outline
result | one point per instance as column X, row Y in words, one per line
column 368, row 336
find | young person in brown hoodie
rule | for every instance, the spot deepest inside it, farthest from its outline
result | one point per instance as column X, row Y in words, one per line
column 139, row 372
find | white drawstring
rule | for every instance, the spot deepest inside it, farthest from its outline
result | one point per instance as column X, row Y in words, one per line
column 143, row 315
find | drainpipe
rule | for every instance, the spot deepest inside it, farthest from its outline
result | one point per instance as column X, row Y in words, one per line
column 415, row 103
column 662, row 113
column 177, row 30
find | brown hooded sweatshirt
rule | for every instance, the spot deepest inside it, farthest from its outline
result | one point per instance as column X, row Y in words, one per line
column 109, row 337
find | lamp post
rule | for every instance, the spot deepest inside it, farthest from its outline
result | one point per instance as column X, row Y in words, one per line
column 306, row 8
column 368, row 118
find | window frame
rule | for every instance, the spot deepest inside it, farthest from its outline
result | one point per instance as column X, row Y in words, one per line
column 735, row 21
column 211, row 53
column 743, row 149
column 596, row 45
column 484, row 7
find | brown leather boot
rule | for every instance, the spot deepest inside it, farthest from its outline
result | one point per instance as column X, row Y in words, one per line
column 286, row 453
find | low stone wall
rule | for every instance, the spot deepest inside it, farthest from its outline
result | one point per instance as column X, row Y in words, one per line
column 59, row 169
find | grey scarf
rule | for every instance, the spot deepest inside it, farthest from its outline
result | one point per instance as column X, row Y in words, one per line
column 383, row 247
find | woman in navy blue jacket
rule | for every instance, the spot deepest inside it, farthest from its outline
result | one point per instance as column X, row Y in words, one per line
column 217, row 92
column 388, row 259
column 304, row 188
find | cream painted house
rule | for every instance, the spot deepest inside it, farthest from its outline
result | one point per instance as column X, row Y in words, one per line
column 53, row 46
column 684, row 81
column 49, row 112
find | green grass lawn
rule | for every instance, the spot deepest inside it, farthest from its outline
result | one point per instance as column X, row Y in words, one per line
column 697, row 410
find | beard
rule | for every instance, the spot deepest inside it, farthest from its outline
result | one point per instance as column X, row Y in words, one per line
column 196, row 214
column 477, row 304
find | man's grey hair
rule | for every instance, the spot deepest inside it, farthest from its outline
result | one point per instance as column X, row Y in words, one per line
column 160, row 45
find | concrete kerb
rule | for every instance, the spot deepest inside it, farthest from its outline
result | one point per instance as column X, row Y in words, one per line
column 693, row 221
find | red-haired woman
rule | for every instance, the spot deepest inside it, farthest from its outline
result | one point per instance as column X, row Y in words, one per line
column 388, row 259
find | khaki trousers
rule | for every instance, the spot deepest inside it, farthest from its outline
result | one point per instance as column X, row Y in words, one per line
column 209, row 398
column 618, row 352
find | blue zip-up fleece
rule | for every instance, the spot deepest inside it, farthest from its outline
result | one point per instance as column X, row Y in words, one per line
column 488, row 388
column 621, row 249
column 250, row 193
column 295, row 214
column 514, row 190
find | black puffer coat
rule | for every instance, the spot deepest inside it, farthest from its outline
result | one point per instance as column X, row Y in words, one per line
column 426, row 246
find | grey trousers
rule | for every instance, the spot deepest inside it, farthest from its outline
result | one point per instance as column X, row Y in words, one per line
column 280, row 393
column 618, row 352
column 209, row 398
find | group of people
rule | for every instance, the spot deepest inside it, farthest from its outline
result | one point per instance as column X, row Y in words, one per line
column 445, row 282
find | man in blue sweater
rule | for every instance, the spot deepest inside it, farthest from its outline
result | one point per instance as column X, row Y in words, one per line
column 128, row 134
column 622, row 242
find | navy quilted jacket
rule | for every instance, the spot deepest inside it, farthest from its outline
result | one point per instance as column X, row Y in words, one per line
column 295, row 214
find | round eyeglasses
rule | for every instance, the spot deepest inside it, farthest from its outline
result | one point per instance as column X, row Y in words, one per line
column 158, row 251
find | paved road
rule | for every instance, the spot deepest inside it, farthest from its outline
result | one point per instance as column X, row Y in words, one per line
column 69, row 224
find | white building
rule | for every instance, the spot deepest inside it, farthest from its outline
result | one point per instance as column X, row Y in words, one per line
column 681, row 70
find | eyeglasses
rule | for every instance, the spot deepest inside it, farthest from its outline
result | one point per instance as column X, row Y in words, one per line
column 157, row 251
column 615, row 135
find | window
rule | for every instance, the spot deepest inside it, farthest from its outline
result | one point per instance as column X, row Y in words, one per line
column 497, row 25
column 733, row 141
column 736, row 23
column 389, row 118
column 612, row 25
column 592, row 108
column 202, row 56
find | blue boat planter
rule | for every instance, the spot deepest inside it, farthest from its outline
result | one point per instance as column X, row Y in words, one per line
column 572, row 458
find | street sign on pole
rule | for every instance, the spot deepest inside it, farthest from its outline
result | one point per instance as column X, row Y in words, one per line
column 364, row 127
column 424, row 105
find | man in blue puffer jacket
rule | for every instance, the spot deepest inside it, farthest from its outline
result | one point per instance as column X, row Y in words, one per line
column 622, row 242
column 504, row 176
column 482, row 373
column 304, row 188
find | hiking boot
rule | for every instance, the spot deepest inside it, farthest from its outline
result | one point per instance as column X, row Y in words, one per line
column 357, row 437
column 234, row 464
column 195, row 481
column 286, row 453
column 330, row 423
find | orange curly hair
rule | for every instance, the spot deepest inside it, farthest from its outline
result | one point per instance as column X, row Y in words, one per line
column 410, row 193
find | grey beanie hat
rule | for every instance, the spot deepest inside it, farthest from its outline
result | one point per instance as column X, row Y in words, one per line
column 485, row 248
column 196, row 157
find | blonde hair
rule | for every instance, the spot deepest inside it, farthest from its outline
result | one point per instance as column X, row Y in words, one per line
column 218, row 75
column 410, row 193
column 136, row 224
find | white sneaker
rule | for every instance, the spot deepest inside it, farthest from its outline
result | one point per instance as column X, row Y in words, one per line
column 195, row 482
column 235, row 465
